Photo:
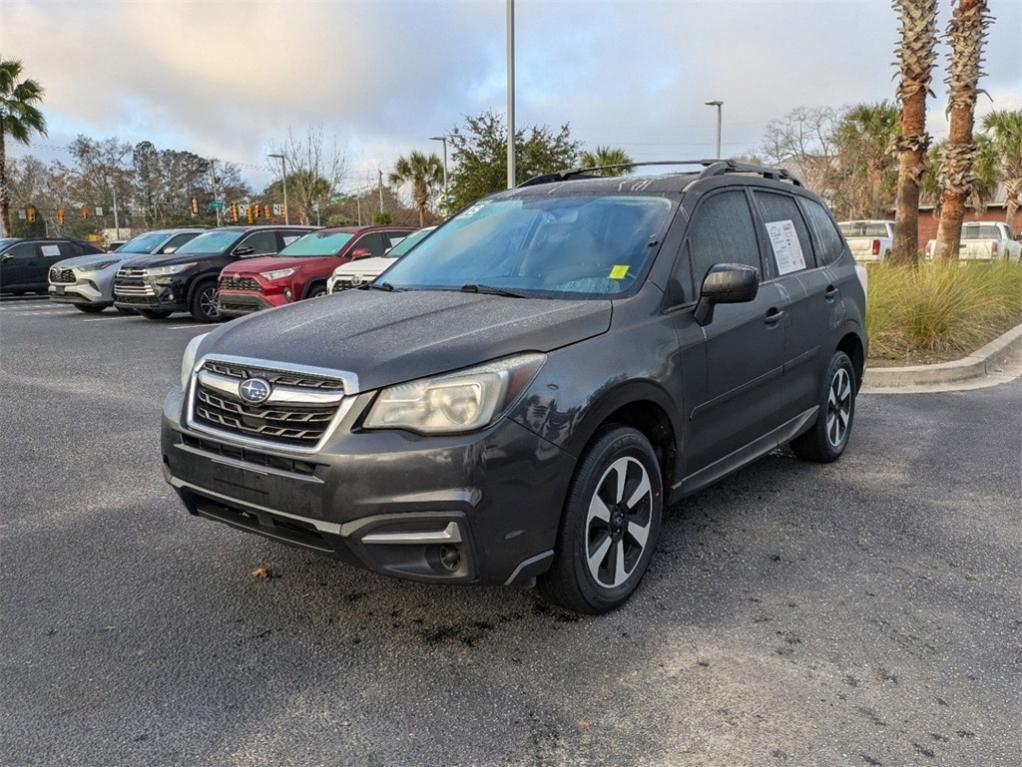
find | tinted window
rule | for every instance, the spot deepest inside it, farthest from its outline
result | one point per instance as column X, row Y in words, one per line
column 374, row 241
column 787, row 235
column 540, row 244
column 23, row 251
column 55, row 250
column 827, row 237
column 177, row 241
column 262, row 243
column 722, row 231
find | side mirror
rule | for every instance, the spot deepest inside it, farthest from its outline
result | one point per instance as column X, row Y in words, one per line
column 361, row 253
column 244, row 250
column 168, row 251
column 6, row 257
column 726, row 284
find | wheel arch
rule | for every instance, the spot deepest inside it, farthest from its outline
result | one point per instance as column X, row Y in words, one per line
column 852, row 345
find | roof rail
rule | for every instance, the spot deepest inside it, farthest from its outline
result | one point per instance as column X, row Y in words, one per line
column 711, row 168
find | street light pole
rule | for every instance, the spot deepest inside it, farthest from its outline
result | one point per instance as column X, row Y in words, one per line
column 717, row 104
column 444, row 140
column 283, row 181
column 510, row 94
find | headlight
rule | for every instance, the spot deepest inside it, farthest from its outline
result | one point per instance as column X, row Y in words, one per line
column 278, row 274
column 456, row 402
column 188, row 360
column 159, row 271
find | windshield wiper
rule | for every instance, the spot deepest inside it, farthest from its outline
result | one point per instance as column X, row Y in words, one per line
column 385, row 286
column 491, row 291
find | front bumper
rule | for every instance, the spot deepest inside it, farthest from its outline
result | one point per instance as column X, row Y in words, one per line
column 482, row 507
column 92, row 290
column 154, row 294
column 236, row 303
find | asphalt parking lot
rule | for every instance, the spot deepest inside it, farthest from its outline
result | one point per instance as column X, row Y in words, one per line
column 862, row 613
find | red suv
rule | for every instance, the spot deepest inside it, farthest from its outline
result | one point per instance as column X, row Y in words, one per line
column 301, row 269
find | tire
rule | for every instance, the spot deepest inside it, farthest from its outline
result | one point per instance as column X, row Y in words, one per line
column 154, row 314
column 89, row 308
column 828, row 437
column 316, row 291
column 128, row 312
column 203, row 306
column 598, row 518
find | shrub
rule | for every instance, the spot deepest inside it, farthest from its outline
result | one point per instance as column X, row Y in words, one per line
column 939, row 311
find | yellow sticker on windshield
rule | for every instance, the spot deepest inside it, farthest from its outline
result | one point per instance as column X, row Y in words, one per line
column 619, row 272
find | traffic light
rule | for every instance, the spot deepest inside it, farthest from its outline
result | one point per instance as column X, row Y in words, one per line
column 234, row 212
column 195, row 206
column 85, row 213
column 250, row 212
column 60, row 217
column 31, row 215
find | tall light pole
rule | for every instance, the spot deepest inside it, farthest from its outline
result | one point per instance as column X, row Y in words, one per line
column 444, row 140
column 510, row 94
column 283, row 181
column 717, row 104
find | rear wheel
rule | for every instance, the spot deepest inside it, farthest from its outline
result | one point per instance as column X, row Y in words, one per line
column 610, row 526
column 204, row 306
column 89, row 308
column 828, row 438
column 154, row 314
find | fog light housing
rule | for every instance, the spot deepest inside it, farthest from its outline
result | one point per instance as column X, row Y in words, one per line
column 288, row 294
column 450, row 558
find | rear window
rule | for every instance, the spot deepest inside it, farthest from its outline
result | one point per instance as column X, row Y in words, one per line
column 317, row 244
column 980, row 232
column 864, row 229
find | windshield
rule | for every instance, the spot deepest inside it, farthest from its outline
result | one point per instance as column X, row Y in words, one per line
column 317, row 244
column 210, row 242
column 6, row 242
column 863, row 229
column 408, row 243
column 144, row 243
column 980, row 232
column 584, row 246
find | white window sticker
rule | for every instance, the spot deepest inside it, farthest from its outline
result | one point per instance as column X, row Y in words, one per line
column 787, row 248
column 51, row 250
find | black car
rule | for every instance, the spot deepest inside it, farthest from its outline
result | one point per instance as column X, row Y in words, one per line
column 159, row 286
column 25, row 263
column 522, row 394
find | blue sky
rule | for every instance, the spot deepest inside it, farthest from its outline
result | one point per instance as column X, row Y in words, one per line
column 228, row 79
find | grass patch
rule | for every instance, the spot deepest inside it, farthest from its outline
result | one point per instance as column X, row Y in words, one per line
column 939, row 312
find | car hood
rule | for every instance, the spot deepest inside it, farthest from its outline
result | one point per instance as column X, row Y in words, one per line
column 94, row 258
column 386, row 338
column 269, row 263
column 366, row 266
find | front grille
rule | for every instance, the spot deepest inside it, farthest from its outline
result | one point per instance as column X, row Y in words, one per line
column 346, row 283
column 130, row 282
column 62, row 275
column 238, row 283
column 294, row 466
column 290, row 423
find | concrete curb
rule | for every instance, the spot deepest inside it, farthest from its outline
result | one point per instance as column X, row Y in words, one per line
column 1004, row 350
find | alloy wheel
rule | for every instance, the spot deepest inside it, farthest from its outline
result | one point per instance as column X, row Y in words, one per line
column 207, row 303
column 618, row 523
column 839, row 407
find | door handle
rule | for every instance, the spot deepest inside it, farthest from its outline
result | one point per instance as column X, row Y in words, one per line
column 773, row 316
column 831, row 293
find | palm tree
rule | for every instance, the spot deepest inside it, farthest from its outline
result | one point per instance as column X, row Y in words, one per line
column 864, row 136
column 966, row 33
column 603, row 156
column 19, row 117
column 1005, row 131
column 425, row 173
column 916, row 55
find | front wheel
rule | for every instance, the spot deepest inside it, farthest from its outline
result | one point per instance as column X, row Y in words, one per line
column 610, row 525
column 204, row 307
column 89, row 308
column 317, row 291
column 828, row 437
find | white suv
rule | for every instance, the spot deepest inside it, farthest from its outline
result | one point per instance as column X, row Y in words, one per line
column 363, row 270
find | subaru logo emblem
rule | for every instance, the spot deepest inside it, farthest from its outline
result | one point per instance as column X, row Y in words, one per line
column 255, row 390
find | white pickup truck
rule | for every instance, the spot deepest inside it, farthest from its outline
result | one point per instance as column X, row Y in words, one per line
column 985, row 241
column 868, row 240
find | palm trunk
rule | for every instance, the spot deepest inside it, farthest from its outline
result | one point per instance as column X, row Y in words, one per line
column 1013, row 190
column 966, row 31
column 5, row 198
column 917, row 54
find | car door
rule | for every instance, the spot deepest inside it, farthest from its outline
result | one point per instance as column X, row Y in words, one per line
column 17, row 265
column 744, row 342
column 792, row 263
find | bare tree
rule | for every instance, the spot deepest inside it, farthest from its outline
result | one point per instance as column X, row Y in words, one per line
column 315, row 168
column 803, row 142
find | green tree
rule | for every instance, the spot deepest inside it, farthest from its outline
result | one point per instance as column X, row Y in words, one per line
column 603, row 156
column 479, row 151
column 19, row 118
column 426, row 175
column 864, row 136
column 1004, row 128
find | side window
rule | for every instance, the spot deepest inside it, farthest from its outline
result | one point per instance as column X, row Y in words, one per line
column 394, row 238
column 290, row 235
column 53, row 250
column 787, row 234
column 828, row 239
column 177, row 241
column 68, row 249
column 722, row 231
column 262, row 243
column 374, row 241
column 23, row 251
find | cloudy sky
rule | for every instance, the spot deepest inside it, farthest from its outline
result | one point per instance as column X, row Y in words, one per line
column 228, row 79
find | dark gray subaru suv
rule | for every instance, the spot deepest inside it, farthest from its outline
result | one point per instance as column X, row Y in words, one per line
column 521, row 395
